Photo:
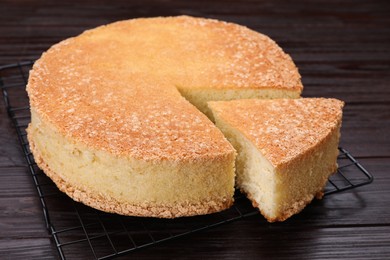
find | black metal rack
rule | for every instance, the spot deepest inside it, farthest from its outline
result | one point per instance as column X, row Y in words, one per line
column 73, row 225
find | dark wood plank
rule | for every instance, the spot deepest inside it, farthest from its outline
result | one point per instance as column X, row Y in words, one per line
column 19, row 203
column 26, row 248
column 23, row 232
column 331, row 243
column 10, row 153
column 365, row 129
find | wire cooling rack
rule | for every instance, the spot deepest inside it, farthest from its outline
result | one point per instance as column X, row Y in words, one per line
column 76, row 227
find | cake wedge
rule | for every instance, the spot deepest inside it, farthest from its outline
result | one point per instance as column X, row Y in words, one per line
column 287, row 149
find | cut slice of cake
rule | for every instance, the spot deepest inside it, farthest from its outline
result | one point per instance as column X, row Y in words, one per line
column 287, row 149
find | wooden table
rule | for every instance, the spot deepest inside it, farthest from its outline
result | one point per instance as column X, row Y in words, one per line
column 342, row 49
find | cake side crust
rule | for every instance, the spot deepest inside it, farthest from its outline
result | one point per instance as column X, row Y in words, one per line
column 111, row 205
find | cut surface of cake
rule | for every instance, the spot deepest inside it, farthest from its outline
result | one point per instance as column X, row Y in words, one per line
column 110, row 125
column 287, row 149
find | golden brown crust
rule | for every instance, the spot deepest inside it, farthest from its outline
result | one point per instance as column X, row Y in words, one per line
column 283, row 128
column 207, row 53
column 112, row 205
column 113, row 87
column 145, row 121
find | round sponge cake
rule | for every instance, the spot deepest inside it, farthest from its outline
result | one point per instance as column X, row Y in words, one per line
column 110, row 125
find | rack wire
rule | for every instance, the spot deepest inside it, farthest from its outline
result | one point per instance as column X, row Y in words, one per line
column 105, row 236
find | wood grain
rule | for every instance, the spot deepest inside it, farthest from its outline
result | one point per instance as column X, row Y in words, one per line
column 342, row 49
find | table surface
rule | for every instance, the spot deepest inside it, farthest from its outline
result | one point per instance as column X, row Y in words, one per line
column 342, row 49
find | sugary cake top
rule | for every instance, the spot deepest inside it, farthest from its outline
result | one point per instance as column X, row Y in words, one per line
column 114, row 87
column 126, row 116
column 197, row 53
column 281, row 128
